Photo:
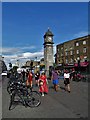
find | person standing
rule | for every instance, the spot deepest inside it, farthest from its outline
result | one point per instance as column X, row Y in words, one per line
column 30, row 78
column 67, row 80
column 37, row 77
column 42, row 82
column 27, row 72
column 23, row 75
column 54, row 79
column 72, row 74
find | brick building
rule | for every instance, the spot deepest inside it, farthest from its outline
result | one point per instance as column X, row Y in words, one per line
column 74, row 52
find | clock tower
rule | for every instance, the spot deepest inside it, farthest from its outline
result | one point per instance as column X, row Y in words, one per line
column 48, row 50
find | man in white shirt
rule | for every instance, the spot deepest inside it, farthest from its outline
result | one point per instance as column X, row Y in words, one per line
column 67, row 80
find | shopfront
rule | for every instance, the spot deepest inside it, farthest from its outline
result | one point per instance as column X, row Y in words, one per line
column 82, row 67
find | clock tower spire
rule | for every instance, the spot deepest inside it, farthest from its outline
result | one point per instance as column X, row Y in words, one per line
column 48, row 50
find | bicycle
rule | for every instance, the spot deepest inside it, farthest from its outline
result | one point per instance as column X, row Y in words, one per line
column 20, row 93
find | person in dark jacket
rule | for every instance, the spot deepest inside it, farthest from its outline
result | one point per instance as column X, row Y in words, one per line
column 37, row 75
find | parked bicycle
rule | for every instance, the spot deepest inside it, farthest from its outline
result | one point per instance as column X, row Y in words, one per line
column 20, row 93
column 79, row 77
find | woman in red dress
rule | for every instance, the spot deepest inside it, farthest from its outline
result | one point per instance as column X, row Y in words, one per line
column 43, row 88
column 30, row 78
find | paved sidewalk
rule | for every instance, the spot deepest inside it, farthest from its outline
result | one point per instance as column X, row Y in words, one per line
column 77, row 100
column 59, row 104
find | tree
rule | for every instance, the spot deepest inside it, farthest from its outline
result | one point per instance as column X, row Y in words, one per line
column 31, row 64
column 42, row 67
column 15, row 68
column 10, row 65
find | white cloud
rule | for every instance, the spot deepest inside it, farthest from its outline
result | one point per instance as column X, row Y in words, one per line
column 28, row 47
column 32, row 55
column 9, row 50
column 14, row 50
column 13, row 55
column 25, row 56
column 75, row 36
column 81, row 34
column 22, row 57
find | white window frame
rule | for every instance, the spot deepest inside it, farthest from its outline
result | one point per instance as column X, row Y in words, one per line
column 85, row 57
column 77, row 51
column 78, row 58
column 66, row 53
column 77, row 43
column 84, row 50
column 71, row 52
column 71, row 60
column 66, row 61
column 84, row 42
column 61, row 48
column 58, row 49
column 61, row 54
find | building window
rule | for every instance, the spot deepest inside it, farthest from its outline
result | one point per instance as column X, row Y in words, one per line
column 77, row 44
column 84, row 50
column 71, row 60
column 61, row 54
column 71, row 48
column 78, row 58
column 61, row 48
column 65, row 49
column 59, row 61
column 84, row 42
column 77, row 51
column 66, row 61
column 85, row 57
column 71, row 52
column 58, row 49
column 66, row 53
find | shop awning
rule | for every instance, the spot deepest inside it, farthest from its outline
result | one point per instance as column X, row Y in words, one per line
column 82, row 64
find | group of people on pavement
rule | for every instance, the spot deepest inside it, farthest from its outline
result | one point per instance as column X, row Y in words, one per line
column 41, row 80
column 55, row 79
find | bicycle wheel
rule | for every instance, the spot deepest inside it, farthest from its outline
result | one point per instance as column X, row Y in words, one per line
column 8, row 89
column 20, row 98
column 16, row 99
column 34, row 99
column 12, row 103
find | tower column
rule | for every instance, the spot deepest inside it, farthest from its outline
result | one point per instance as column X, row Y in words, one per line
column 48, row 51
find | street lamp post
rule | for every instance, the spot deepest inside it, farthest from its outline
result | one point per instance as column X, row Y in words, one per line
column 79, row 65
column 18, row 63
column 36, row 63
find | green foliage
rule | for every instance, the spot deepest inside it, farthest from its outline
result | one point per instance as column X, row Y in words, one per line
column 54, row 65
column 42, row 67
column 15, row 68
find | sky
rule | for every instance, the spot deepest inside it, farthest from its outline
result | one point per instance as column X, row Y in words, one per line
column 25, row 23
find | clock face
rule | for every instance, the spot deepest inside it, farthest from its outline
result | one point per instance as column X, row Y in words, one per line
column 49, row 38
